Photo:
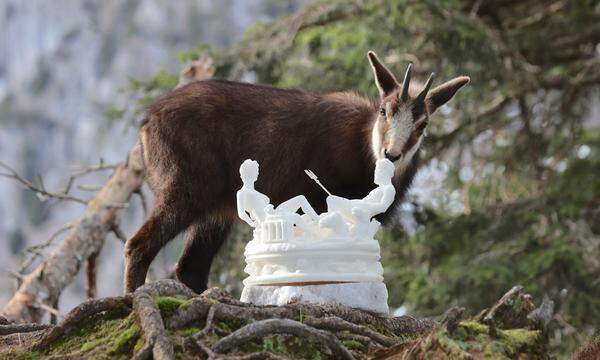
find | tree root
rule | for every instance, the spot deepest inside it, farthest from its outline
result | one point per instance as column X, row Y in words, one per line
column 220, row 316
column 22, row 328
column 262, row 355
column 226, row 309
column 3, row 320
column 278, row 326
column 588, row 352
column 337, row 324
column 151, row 320
column 195, row 343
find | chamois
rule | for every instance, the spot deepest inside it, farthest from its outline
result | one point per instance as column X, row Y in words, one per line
column 195, row 138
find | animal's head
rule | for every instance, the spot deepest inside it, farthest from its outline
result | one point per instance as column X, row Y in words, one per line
column 404, row 112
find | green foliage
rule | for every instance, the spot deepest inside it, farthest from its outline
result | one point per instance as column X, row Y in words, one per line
column 193, row 54
column 541, row 242
column 113, row 114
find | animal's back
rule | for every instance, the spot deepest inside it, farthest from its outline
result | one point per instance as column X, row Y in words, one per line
column 196, row 137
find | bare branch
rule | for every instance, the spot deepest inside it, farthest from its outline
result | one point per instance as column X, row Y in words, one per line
column 35, row 250
column 90, row 188
column 45, row 283
column 143, row 201
column 91, row 290
column 116, row 229
column 40, row 191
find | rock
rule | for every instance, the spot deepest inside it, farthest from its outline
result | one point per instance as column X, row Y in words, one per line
column 371, row 296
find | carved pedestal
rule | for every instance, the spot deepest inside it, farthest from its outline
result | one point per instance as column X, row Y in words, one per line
column 371, row 296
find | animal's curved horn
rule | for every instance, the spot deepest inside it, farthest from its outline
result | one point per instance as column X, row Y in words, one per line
column 406, row 83
column 425, row 90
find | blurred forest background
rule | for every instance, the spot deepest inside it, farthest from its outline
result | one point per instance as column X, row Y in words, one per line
column 509, row 192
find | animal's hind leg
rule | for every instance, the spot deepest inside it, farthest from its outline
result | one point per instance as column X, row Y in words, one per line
column 164, row 224
column 203, row 240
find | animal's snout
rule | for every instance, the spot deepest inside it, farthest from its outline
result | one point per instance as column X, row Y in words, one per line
column 390, row 157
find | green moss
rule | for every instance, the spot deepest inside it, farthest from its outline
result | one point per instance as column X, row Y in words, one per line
column 355, row 345
column 168, row 305
column 20, row 355
column 177, row 342
column 88, row 336
column 516, row 339
column 473, row 337
column 90, row 345
column 188, row 332
column 495, row 350
column 108, row 335
column 125, row 341
column 287, row 346
column 210, row 339
column 468, row 330
column 452, row 348
column 139, row 344
column 293, row 347
column 232, row 325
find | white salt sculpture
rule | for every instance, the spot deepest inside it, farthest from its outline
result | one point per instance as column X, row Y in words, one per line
column 326, row 258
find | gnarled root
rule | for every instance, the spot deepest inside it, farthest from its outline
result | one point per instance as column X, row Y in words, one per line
column 262, row 328
column 22, row 328
column 227, row 308
column 155, row 335
column 327, row 325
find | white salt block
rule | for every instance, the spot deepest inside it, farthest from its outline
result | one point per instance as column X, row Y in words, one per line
column 370, row 296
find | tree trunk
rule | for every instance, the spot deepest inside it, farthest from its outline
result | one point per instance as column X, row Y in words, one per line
column 45, row 284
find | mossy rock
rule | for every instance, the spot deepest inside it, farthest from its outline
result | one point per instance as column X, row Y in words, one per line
column 472, row 338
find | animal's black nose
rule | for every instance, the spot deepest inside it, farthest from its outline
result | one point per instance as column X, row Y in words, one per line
column 391, row 157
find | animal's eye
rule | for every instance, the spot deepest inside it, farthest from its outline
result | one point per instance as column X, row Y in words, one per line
column 382, row 111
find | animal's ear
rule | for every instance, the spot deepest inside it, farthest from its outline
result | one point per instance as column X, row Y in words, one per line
column 386, row 83
column 443, row 93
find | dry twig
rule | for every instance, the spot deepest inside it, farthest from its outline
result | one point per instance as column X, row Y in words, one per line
column 40, row 190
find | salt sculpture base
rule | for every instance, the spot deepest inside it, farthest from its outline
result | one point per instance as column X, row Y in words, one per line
column 370, row 296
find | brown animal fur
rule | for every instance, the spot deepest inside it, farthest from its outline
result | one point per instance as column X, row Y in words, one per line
column 196, row 137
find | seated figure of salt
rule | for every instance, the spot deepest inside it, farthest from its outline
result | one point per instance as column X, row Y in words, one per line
column 324, row 259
